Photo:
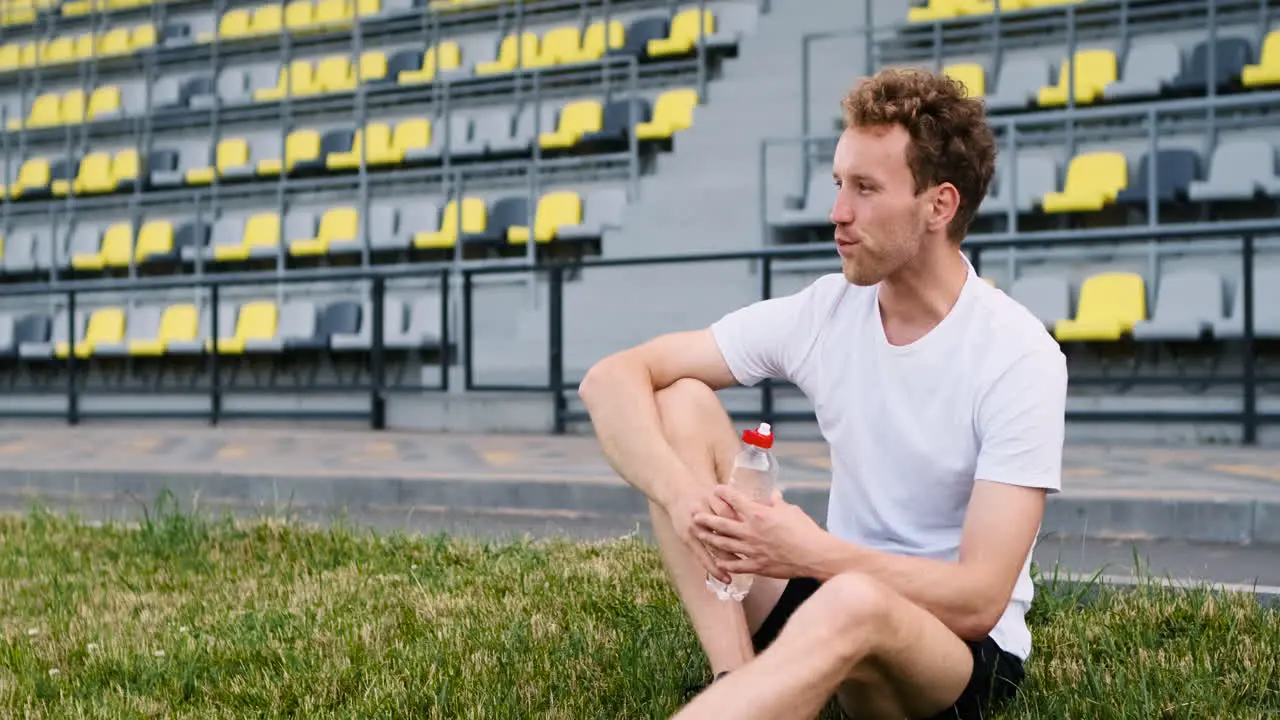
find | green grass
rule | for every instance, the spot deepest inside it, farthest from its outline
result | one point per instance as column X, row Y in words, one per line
column 191, row 617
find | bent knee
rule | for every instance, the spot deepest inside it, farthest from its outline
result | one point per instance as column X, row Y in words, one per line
column 686, row 403
column 856, row 602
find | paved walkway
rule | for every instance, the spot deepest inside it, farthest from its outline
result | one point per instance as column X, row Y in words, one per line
column 1158, row 473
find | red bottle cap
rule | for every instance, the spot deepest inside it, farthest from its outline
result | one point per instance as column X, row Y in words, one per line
column 761, row 437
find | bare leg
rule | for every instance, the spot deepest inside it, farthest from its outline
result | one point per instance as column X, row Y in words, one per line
column 884, row 656
column 697, row 427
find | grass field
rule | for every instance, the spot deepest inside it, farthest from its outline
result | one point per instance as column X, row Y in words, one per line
column 189, row 617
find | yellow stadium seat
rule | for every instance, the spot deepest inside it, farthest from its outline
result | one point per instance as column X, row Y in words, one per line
column 672, row 113
column 372, row 66
column 1267, row 70
column 333, row 74
column 576, row 119
column 972, row 75
column 124, row 167
column 231, row 153
column 114, row 42
column 234, row 24
column 178, row 323
column 333, row 14
column 143, row 37
column 115, row 250
column 365, row 8
column 94, row 175
column 301, row 146
column 555, row 210
column 474, row 220
column 379, row 142
column 106, row 327
column 296, row 80
column 267, row 20
column 411, row 134
column 1110, row 304
column 155, row 237
column 442, row 56
column 683, row 37
column 255, row 321
column 1093, row 181
column 58, row 50
column 340, row 224
column 29, row 57
column 260, row 230
column 1094, row 71
column 593, row 41
column 10, row 57
column 86, row 46
column 511, row 52
column 71, row 110
column 558, row 46
column 299, row 15
column 105, row 100
column 46, row 111
column 34, row 174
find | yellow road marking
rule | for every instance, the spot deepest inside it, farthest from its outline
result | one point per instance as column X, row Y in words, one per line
column 499, row 458
column 232, row 452
column 1254, row 471
column 13, row 448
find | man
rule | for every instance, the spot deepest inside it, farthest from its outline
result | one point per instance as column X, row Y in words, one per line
column 942, row 401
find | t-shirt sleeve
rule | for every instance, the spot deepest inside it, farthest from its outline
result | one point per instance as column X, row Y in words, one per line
column 1022, row 423
column 769, row 339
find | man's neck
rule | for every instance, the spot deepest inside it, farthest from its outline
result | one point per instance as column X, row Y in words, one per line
column 916, row 298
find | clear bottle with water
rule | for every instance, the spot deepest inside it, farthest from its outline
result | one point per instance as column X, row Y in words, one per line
column 755, row 473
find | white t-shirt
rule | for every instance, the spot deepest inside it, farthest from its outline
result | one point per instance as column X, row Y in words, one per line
column 911, row 428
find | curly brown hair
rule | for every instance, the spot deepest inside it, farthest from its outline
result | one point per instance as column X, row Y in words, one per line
column 950, row 138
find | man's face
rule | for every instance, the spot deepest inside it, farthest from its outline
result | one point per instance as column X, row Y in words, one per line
column 880, row 223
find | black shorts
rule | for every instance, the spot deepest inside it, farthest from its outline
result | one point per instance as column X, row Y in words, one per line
column 997, row 674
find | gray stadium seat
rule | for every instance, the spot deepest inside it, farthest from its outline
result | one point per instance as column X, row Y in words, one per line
column 524, row 132
column 227, row 232
column 191, row 154
column 1188, row 303
column 1037, row 175
column 165, row 94
column 813, row 208
column 297, row 322
column 8, row 346
column 29, row 329
column 487, row 127
column 338, row 317
column 1147, row 68
column 419, row 217
column 226, row 328
column 57, row 334
column 472, row 50
column 1048, row 297
column 1239, row 170
column 20, row 253
column 383, row 231
column 423, row 326
column 86, row 239
column 1266, row 307
column 733, row 20
column 299, row 224
column 362, row 337
column 1019, row 83
column 141, row 323
column 601, row 208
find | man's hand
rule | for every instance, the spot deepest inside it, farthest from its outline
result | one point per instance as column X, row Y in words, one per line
column 775, row 539
column 700, row 501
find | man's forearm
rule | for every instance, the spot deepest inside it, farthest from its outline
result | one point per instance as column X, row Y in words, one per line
column 619, row 397
column 962, row 601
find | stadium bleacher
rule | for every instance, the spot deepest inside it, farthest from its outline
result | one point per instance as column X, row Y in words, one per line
column 236, row 140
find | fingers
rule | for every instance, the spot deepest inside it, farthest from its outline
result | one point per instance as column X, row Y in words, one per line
column 725, row 547
column 709, row 562
column 715, row 523
column 741, row 566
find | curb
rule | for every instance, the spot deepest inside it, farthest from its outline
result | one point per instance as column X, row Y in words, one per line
column 1208, row 519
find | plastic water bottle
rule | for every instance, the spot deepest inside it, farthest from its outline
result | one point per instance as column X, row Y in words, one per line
column 755, row 473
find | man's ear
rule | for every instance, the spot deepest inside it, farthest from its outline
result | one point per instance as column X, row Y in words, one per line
column 946, row 202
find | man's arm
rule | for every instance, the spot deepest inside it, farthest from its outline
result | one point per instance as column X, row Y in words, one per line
column 619, row 394
column 968, row 595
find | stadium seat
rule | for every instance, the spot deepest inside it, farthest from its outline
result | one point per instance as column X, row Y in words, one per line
column 576, row 119
column 110, row 249
column 440, row 57
column 230, row 155
column 502, row 214
column 531, row 119
column 557, row 46
column 457, row 131
column 1267, row 70
column 35, row 174
column 602, row 209
column 338, row 318
column 301, row 146
column 811, row 209
column 1266, row 307
column 672, row 112
column 1239, row 170
column 513, row 51
column 418, row 325
column 377, row 151
column 234, row 23
column 178, row 323
column 115, row 41
column 1093, row 181
column 295, row 80
column 295, row 320
column 141, row 324
column 259, row 236
column 972, row 75
column 555, row 210
column 1037, row 176
column 616, row 122
column 447, row 228
column 19, row 253
column 104, row 103
column 1148, row 67
column 155, row 241
column 8, row 345
column 686, row 28
column 594, row 44
column 1110, row 304
column 1018, row 83
column 1188, row 303
column 1176, row 169
column 338, row 226
column 1231, row 54
column 1048, row 297
column 410, row 134
column 1093, row 70
column 384, row 228
column 255, row 320
column 106, row 326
